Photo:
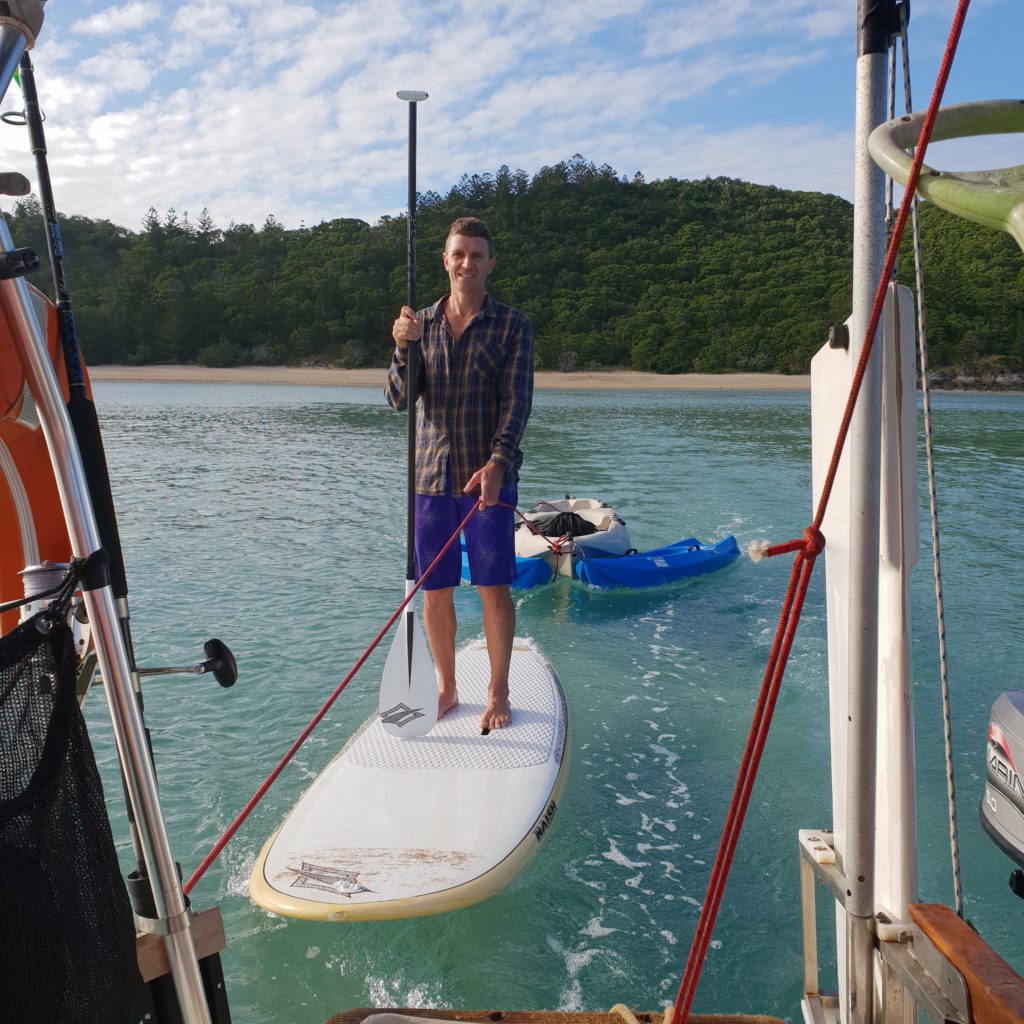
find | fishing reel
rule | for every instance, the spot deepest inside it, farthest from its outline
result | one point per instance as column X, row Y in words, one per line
column 219, row 660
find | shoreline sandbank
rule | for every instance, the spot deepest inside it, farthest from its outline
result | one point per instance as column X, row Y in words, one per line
column 612, row 380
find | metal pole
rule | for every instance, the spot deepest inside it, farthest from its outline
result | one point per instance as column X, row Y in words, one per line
column 874, row 26
column 129, row 733
column 21, row 26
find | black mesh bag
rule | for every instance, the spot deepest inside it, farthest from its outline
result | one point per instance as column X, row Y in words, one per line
column 67, row 938
column 562, row 524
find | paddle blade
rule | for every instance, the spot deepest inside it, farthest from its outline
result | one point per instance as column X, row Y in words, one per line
column 408, row 688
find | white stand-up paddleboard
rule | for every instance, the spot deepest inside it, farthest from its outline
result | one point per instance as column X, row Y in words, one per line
column 397, row 827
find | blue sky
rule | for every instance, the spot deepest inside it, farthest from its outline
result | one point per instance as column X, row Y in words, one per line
column 289, row 109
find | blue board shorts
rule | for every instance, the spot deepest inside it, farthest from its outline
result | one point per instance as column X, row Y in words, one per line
column 490, row 538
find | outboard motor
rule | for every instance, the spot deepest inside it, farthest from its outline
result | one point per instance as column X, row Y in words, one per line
column 1002, row 807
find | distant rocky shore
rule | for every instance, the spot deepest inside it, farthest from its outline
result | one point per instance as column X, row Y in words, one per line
column 963, row 378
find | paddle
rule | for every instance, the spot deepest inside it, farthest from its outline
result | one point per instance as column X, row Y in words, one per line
column 408, row 687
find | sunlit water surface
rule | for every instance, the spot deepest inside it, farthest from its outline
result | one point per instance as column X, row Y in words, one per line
column 274, row 518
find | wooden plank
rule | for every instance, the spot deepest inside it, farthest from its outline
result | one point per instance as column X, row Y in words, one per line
column 995, row 989
column 547, row 1017
column 207, row 934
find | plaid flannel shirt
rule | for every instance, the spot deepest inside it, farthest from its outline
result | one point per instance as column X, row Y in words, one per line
column 475, row 394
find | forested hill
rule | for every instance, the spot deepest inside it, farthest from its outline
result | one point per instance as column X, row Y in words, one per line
column 670, row 276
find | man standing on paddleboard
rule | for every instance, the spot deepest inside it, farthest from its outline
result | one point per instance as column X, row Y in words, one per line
column 475, row 392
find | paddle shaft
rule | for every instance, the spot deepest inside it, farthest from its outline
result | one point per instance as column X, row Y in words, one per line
column 412, row 378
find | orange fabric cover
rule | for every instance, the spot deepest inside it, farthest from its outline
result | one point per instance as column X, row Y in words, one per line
column 31, row 460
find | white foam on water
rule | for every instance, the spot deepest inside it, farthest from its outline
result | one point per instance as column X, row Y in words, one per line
column 616, row 856
column 572, row 872
column 575, row 960
column 680, row 788
column 393, row 992
column 313, row 952
column 668, row 937
column 671, row 871
column 595, row 929
column 624, row 801
column 336, row 963
column 632, row 697
column 670, row 755
column 238, row 865
column 649, row 825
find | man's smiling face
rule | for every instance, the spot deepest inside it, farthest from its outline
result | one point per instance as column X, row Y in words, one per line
column 468, row 261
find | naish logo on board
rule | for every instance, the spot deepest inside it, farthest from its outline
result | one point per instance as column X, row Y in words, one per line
column 549, row 815
column 336, row 880
column 400, row 715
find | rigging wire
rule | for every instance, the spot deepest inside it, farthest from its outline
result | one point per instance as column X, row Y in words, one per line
column 922, row 346
column 803, row 566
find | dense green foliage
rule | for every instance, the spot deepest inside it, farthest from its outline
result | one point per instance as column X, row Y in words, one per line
column 670, row 276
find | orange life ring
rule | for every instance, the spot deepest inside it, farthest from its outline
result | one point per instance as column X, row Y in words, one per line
column 32, row 526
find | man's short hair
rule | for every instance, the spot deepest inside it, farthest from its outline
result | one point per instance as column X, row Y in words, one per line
column 471, row 227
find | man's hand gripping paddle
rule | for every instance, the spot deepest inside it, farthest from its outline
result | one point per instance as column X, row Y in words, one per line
column 408, row 688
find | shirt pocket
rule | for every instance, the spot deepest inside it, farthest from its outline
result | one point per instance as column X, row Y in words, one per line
column 489, row 362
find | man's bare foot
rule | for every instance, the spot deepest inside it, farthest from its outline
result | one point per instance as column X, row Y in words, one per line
column 498, row 712
column 447, row 700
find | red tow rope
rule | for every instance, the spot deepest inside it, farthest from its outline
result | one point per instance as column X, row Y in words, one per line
column 807, row 551
column 304, row 735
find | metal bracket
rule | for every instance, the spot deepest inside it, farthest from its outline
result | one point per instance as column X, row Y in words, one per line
column 163, row 925
column 937, row 986
column 817, row 849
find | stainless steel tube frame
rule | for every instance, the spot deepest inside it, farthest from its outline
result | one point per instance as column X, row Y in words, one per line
column 18, row 34
column 858, row 864
column 129, row 732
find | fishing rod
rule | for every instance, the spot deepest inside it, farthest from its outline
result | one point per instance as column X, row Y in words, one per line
column 85, row 424
column 80, row 407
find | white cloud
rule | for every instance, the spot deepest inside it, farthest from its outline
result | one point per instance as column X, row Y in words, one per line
column 119, row 19
column 250, row 110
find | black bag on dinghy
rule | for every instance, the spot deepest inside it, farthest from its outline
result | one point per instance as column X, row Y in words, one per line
column 67, row 937
column 563, row 524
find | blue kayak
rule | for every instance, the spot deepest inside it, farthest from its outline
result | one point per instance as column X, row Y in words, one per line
column 530, row 572
column 677, row 561
column 681, row 560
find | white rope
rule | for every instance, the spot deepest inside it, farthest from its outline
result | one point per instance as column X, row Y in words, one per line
column 922, row 344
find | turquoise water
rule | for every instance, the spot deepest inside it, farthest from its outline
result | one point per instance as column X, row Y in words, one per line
column 273, row 518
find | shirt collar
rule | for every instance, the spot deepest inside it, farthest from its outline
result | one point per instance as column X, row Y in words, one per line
column 489, row 308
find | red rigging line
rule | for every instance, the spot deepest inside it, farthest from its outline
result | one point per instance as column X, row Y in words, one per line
column 230, row 831
column 807, row 551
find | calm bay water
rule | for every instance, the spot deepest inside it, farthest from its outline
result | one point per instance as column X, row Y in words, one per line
column 274, row 518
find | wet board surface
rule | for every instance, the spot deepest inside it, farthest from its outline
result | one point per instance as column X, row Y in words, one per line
column 397, row 827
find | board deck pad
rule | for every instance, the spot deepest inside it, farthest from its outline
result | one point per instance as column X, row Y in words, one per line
column 397, row 827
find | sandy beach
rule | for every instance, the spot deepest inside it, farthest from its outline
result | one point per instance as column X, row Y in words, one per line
column 617, row 380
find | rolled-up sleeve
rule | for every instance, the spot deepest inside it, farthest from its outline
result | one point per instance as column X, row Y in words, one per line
column 395, row 387
column 517, row 398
